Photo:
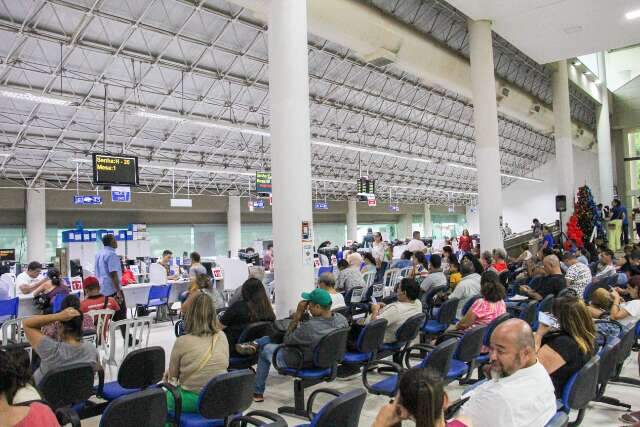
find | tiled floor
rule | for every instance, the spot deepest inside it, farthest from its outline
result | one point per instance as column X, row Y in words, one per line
column 280, row 391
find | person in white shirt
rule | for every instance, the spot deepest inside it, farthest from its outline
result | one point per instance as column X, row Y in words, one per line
column 30, row 280
column 627, row 313
column 605, row 267
column 468, row 287
column 520, row 392
column 416, row 245
column 327, row 281
column 397, row 313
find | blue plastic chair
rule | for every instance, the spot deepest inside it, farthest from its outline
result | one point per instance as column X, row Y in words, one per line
column 325, row 269
column 158, row 297
column 140, row 369
column 9, row 309
column 369, row 342
column 580, row 389
column 445, row 317
column 343, row 411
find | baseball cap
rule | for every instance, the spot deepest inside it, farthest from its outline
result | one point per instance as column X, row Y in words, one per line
column 90, row 282
column 318, row 296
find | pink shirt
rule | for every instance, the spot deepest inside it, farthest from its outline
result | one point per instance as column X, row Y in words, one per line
column 486, row 311
column 39, row 415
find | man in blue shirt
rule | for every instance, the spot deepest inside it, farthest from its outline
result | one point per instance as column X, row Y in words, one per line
column 109, row 272
column 548, row 241
column 620, row 212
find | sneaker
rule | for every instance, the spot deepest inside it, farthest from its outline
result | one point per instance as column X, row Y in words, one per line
column 247, row 348
column 258, row 398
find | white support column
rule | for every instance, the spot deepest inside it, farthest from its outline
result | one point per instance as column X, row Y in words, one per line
column 426, row 222
column 485, row 119
column 352, row 220
column 404, row 226
column 562, row 135
column 473, row 221
column 233, row 225
column 290, row 149
column 36, row 224
column 605, row 162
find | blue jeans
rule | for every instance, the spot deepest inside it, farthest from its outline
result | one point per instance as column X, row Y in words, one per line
column 264, row 362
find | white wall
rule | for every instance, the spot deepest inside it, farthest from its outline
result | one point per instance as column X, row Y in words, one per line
column 524, row 200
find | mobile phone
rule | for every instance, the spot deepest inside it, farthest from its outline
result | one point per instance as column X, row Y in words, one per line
column 373, row 300
column 547, row 319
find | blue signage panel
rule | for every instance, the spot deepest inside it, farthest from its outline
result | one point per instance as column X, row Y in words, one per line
column 121, row 194
column 87, row 200
column 321, row 205
column 258, row 204
column 394, row 208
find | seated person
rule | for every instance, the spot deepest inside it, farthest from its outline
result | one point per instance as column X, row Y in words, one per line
column 128, row 278
column 350, row 277
column 552, row 283
column 605, row 267
column 600, row 305
column 627, row 313
column 436, row 276
column 198, row 355
column 631, row 266
column 484, row 310
column 165, row 261
column 454, row 273
column 30, row 280
column 201, row 284
column 70, row 349
column 303, row 334
column 369, row 263
column 420, row 265
column 564, row 349
column 397, row 313
column 499, row 260
column 519, row 391
column 486, row 259
column 254, row 306
column 44, row 295
column 327, row 282
column 524, row 256
column 36, row 414
column 468, row 287
column 421, row 398
column 404, row 261
column 25, row 390
column 94, row 300
column 578, row 275
column 195, row 267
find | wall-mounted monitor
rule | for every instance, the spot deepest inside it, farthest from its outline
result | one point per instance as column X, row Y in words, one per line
column 115, row 170
column 263, row 182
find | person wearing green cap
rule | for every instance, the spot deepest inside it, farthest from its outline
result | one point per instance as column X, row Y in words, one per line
column 304, row 334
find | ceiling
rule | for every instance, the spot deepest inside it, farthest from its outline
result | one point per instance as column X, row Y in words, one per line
column 207, row 63
column 551, row 30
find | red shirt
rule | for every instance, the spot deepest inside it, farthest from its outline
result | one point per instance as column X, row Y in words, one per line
column 499, row 266
column 97, row 303
column 127, row 277
column 39, row 415
column 464, row 243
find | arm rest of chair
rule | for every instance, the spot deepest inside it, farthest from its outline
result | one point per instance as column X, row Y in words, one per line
column 100, row 371
column 250, row 418
column 406, row 353
column 67, row 415
column 312, row 398
column 177, row 399
column 365, row 381
column 452, row 334
column 274, row 360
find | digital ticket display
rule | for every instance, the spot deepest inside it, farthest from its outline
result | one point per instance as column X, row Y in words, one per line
column 7, row 254
column 366, row 186
column 115, row 170
column 263, row 182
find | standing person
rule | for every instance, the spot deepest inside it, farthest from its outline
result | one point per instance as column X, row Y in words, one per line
column 367, row 240
column 416, row 244
column 166, row 263
column 267, row 259
column 28, row 281
column 620, row 212
column 548, row 242
column 636, row 221
column 536, row 227
column 377, row 250
column 196, row 268
column 109, row 273
column 464, row 242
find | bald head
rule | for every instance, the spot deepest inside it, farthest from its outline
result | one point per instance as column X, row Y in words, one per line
column 551, row 264
column 516, row 332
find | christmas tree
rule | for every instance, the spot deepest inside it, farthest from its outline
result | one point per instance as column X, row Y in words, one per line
column 587, row 214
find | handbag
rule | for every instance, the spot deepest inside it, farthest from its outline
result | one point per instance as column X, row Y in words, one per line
column 42, row 302
column 203, row 361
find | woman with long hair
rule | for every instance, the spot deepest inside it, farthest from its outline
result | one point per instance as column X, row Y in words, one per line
column 601, row 302
column 484, row 310
column 43, row 296
column 369, row 263
column 198, row 355
column 566, row 347
column 464, row 242
column 421, row 398
column 254, row 306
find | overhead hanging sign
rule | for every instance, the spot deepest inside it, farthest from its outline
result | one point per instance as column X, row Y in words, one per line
column 87, row 200
column 120, row 194
column 321, row 205
column 394, row 208
column 372, row 202
column 258, row 204
column 115, row 170
column 263, row 182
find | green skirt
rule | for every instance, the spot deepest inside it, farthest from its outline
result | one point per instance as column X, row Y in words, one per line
column 189, row 401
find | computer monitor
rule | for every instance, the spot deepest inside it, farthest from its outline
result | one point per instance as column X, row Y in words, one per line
column 208, row 266
column 7, row 254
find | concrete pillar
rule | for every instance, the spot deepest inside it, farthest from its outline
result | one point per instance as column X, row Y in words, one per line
column 485, row 119
column 352, row 220
column 36, row 224
column 233, row 225
column 404, row 226
column 426, row 222
column 473, row 220
column 290, row 150
column 605, row 162
column 562, row 135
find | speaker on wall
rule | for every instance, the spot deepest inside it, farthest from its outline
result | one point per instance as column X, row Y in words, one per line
column 561, row 203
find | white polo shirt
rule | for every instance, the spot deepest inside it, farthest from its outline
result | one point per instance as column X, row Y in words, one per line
column 524, row 399
column 415, row 245
column 24, row 279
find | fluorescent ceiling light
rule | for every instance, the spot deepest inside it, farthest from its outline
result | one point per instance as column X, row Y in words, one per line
column 33, row 97
column 634, row 14
column 5, row 154
column 172, row 117
column 506, row 175
column 362, row 149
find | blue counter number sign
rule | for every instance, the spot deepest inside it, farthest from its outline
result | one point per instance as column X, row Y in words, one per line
column 87, row 200
column 121, row 194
